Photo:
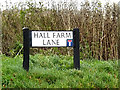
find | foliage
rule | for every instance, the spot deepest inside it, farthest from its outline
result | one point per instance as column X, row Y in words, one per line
column 58, row 72
column 98, row 26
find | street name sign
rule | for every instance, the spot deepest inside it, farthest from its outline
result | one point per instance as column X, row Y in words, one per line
column 38, row 38
column 52, row 38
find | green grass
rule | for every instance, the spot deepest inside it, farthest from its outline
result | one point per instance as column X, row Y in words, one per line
column 0, row 72
column 57, row 72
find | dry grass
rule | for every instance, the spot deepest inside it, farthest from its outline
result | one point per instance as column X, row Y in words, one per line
column 98, row 26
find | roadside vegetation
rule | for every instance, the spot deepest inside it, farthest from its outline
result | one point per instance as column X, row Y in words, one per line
column 98, row 26
column 58, row 72
column 53, row 67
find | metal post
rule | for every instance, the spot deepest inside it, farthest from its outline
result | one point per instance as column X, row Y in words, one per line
column 76, row 48
column 26, row 47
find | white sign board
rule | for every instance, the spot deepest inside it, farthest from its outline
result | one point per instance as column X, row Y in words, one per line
column 52, row 38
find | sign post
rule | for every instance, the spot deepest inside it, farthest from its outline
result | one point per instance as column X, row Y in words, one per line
column 26, row 47
column 76, row 48
column 33, row 38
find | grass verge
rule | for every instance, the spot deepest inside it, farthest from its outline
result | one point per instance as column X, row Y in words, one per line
column 57, row 72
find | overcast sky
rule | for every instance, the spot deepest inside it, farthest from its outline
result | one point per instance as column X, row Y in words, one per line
column 3, row 2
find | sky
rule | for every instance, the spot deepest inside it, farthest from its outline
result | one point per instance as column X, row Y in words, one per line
column 3, row 2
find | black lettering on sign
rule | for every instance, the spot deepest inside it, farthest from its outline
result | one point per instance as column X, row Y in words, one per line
column 41, row 35
column 48, row 35
column 53, row 35
column 44, row 35
column 58, row 35
column 48, row 42
column 35, row 35
column 57, row 42
column 51, row 42
column 44, row 42
column 68, row 35
column 62, row 35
